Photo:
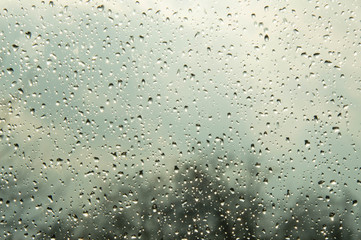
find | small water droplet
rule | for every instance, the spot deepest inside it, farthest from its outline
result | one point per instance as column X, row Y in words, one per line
column 28, row 35
column 100, row 8
column 332, row 216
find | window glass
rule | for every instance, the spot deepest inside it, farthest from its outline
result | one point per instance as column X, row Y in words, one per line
column 180, row 119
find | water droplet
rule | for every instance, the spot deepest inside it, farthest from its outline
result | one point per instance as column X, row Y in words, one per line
column 266, row 38
column 100, row 8
column 28, row 35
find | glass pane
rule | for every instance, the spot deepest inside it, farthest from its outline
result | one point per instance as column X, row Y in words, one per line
column 180, row 119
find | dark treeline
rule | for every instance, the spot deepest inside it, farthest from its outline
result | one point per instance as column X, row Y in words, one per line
column 196, row 202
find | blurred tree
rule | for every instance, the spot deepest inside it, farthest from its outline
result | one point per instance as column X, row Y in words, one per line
column 195, row 202
column 316, row 218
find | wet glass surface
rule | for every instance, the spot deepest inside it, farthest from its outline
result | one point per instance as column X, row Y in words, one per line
column 180, row 119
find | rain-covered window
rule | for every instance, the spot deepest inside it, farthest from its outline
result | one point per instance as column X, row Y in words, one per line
column 180, row 119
